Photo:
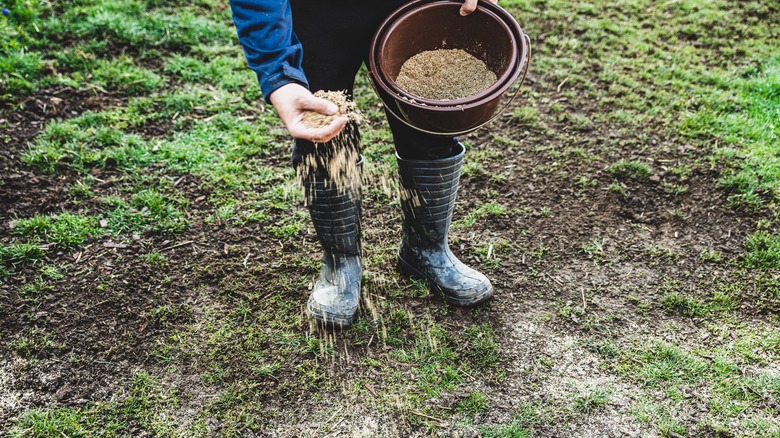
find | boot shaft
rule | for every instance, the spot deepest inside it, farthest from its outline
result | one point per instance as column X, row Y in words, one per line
column 335, row 211
column 428, row 192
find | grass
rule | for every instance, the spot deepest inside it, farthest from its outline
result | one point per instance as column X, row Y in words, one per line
column 473, row 405
column 20, row 252
column 675, row 371
column 716, row 96
column 67, row 230
column 488, row 209
column 142, row 404
column 34, row 45
column 592, row 400
column 36, row 344
column 511, row 430
column 594, row 249
column 631, row 169
column 763, row 250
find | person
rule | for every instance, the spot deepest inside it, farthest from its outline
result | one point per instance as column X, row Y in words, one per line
column 295, row 46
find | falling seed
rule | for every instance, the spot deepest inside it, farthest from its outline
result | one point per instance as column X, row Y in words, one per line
column 339, row 156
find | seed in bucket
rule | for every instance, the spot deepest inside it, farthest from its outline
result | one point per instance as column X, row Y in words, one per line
column 346, row 107
column 444, row 74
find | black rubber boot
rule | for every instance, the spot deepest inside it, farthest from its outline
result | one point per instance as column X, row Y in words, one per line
column 335, row 213
column 428, row 192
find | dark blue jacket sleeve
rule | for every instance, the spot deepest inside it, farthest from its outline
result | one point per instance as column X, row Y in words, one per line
column 272, row 50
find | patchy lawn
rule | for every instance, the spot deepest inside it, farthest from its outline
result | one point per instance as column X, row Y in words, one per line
column 156, row 256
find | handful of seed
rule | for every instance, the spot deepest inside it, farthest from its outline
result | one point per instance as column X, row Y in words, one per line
column 347, row 108
column 444, row 74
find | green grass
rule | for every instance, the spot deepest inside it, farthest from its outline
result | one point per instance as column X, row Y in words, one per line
column 20, row 252
column 473, row 405
column 763, row 250
column 143, row 404
column 592, row 400
column 146, row 210
column 631, row 169
column 722, row 78
column 594, row 249
column 481, row 348
column 744, row 115
column 37, row 344
column 67, row 230
column 488, row 209
column 155, row 259
column 35, row 289
column 686, row 305
column 734, row 395
column 511, row 430
column 78, row 45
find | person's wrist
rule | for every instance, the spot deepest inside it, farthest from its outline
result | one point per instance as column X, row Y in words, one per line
column 283, row 93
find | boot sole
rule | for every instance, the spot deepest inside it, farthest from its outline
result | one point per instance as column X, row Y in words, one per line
column 332, row 322
column 412, row 272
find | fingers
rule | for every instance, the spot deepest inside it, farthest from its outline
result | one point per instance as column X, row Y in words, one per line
column 316, row 104
column 470, row 6
column 318, row 135
column 325, row 133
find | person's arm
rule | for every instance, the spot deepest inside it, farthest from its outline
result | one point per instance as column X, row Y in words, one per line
column 271, row 48
column 275, row 54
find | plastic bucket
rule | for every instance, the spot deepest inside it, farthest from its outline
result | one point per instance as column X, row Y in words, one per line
column 490, row 33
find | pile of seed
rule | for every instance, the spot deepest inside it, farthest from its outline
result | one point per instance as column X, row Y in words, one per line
column 338, row 157
column 444, row 74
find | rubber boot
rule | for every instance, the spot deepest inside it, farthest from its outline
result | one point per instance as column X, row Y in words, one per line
column 428, row 192
column 335, row 213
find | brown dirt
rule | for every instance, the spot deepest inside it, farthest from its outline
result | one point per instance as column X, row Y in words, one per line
column 24, row 192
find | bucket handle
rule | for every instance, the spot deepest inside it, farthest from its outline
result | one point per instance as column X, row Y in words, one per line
column 457, row 133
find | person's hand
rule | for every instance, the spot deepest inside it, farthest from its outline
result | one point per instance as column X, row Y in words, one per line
column 470, row 6
column 292, row 100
